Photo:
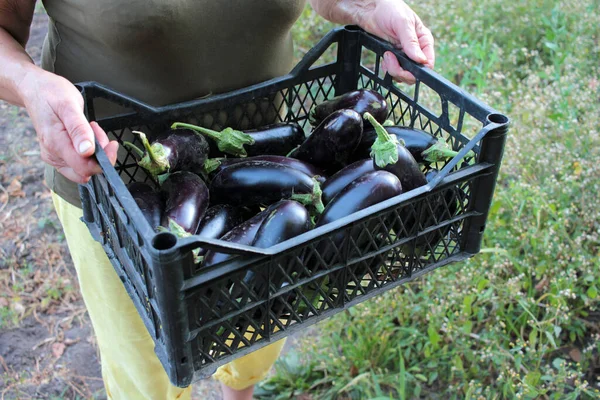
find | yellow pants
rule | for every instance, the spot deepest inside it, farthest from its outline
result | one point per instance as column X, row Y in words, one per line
column 130, row 368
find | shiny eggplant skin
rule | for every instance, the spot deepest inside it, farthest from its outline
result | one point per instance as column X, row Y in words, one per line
column 406, row 169
column 186, row 150
column 305, row 167
column 258, row 182
column 243, row 233
column 371, row 188
column 361, row 101
column 442, row 206
column 148, row 200
column 286, row 219
column 415, row 140
column 186, row 200
column 217, row 221
column 330, row 145
column 274, row 139
column 173, row 150
column 337, row 182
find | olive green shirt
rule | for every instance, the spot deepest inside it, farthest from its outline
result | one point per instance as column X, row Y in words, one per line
column 166, row 51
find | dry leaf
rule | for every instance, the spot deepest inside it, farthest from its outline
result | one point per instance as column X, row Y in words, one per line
column 575, row 354
column 14, row 189
column 3, row 302
column 58, row 349
column 353, row 370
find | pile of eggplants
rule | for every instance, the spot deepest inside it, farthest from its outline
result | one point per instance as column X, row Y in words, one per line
column 263, row 186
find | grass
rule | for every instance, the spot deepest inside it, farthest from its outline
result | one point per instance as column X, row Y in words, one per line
column 521, row 319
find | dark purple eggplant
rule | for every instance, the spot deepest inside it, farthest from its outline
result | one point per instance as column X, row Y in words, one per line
column 148, row 200
column 217, row 221
column 441, row 206
column 361, row 101
column 425, row 148
column 389, row 154
column 332, row 142
column 186, row 201
column 246, row 232
column 365, row 191
column 344, row 177
column 371, row 188
column 263, row 182
column 174, row 150
column 285, row 220
column 277, row 139
column 219, row 164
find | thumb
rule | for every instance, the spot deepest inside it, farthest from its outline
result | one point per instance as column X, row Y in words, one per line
column 78, row 128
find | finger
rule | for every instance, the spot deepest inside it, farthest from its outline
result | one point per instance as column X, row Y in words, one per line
column 61, row 146
column 73, row 176
column 426, row 42
column 78, row 128
column 111, row 151
column 407, row 35
column 99, row 133
column 392, row 67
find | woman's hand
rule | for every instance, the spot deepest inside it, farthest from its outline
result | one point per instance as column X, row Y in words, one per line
column 66, row 137
column 391, row 20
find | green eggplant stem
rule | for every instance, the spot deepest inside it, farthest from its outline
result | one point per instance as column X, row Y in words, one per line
column 146, row 144
column 384, row 150
column 211, row 164
column 438, row 152
column 313, row 199
column 154, row 161
column 228, row 140
column 139, row 152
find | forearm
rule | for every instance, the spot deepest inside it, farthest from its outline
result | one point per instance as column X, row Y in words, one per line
column 16, row 64
column 344, row 11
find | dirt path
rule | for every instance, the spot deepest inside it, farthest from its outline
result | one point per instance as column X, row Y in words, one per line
column 47, row 349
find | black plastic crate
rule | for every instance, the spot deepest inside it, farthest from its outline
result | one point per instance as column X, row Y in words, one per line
column 201, row 319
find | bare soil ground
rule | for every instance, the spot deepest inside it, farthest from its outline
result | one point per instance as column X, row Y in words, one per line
column 47, row 346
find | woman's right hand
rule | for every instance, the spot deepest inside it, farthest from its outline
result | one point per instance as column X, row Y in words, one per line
column 65, row 136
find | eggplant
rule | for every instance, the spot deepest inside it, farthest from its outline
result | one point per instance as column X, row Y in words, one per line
column 262, row 182
column 276, row 139
column 332, row 142
column 441, row 206
column 425, row 148
column 219, row 164
column 148, row 200
column 174, row 150
column 389, row 154
column 361, row 101
column 186, row 201
column 369, row 189
column 217, row 221
column 285, row 220
column 344, row 177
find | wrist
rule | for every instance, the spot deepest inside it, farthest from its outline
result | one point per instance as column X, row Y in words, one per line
column 27, row 83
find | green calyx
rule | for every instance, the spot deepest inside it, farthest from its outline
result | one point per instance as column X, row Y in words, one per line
column 438, row 152
column 228, row 140
column 211, row 164
column 313, row 199
column 155, row 160
column 384, row 150
column 178, row 231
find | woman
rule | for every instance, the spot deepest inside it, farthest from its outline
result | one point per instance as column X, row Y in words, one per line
column 160, row 52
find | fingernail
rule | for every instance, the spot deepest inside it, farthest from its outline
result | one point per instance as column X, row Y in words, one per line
column 84, row 146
